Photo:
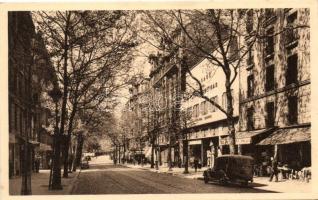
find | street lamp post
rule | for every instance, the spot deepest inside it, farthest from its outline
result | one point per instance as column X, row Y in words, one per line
column 55, row 174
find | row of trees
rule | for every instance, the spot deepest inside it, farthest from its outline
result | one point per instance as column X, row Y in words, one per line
column 223, row 37
column 90, row 53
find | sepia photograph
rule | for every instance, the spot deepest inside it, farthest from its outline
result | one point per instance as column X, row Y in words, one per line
column 159, row 101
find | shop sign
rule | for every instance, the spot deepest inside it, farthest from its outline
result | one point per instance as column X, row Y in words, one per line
column 211, row 133
column 194, row 142
column 224, row 141
column 200, row 134
column 243, row 140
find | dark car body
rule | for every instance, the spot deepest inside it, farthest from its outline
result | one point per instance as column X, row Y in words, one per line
column 231, row 168
column 84, row 164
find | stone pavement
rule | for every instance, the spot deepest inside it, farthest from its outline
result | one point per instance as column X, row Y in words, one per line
column 40, row 183
column 283, row 186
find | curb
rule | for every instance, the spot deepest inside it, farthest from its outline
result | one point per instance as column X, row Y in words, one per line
column 73, row 185
column 170, row 173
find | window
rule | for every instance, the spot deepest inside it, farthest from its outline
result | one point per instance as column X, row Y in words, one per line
column 270, row 114
column 250, row 58
column 233, row 49
column 270, row 78
column 15, row 117
column 292, row 71
column 250, row 119
column 196, row 110
column 250, row 85
column 189, row 113
column 224, row 100
column 269, row 13
column 215, row 99
column 269, row 41
column 249, row 21
column 292, row 110
column 21, row 122
column 202, row 108
column 291, row 33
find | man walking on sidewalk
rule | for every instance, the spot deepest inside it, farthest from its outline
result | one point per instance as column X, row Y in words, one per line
column 196, row 163
column 274, row 170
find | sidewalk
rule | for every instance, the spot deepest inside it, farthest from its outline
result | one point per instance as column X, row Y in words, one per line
column 283, row 186
column 40, row 183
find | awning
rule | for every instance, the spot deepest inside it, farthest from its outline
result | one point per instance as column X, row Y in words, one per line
column 246, row 136
column 287, row 136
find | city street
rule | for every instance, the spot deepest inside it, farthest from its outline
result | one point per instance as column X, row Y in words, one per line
column 105, row 178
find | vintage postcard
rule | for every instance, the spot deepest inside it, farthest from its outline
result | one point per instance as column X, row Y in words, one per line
column 174, row 100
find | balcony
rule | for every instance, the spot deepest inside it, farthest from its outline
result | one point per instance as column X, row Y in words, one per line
column 291, row 38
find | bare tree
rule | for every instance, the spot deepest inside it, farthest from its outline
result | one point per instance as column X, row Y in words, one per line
column 93, row 47
column 217, row 35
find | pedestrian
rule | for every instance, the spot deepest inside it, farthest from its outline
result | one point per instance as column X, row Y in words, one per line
column 208, row 153
column 274, row 171
column 37, row 164
column 212, row 157
column 196, row 163
column 219, row 151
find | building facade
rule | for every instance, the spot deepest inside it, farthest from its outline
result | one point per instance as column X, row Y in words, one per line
column 275, row 91
column 167, row 82
column 207, row 129
column 135, row 142
column 29, row 68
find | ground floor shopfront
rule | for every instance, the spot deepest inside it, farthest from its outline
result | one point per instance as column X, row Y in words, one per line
column 290, row 145
column 206, row 143
column 36, row 150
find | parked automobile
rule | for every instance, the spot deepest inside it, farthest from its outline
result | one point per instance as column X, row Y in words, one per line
column 84, row 164
column 88, row 158
column 231, row 168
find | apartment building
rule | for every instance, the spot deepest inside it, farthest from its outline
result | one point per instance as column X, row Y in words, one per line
column 29, row 73
column 275, row 90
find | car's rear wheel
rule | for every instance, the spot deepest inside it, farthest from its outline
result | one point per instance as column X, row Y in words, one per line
column 244, row 183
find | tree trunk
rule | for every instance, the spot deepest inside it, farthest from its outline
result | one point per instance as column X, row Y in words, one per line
column 124, row 153
column 152, row 164
column 66, row 151
column 169, row 155
column 56, row 179
column 68, row 141
column 78, row 154
column 56, row 182
column 230, row 119
column 26, row 170
column 186, row 162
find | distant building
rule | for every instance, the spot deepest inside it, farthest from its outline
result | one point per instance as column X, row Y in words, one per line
column 137, row 115
column 167, row 82
column 275, row 91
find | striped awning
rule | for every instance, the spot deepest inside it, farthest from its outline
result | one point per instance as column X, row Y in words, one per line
column 245, row 137
column 287, row 136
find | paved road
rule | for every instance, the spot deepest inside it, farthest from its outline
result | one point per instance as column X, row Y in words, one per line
column 105, row 178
